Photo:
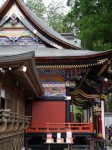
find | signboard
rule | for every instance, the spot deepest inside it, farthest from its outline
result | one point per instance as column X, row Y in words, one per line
column 69, row 134
column 58, row 135
column 49, row 135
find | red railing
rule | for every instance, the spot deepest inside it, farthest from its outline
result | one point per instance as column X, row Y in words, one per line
column 60, row 127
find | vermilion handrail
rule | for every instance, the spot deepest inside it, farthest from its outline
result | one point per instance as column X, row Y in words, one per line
column 60, row 127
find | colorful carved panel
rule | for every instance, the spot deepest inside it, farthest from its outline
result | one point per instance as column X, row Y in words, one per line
column 54, row 80
column 61, row 75
column 14, row 32
column 54, row 89
column 53, row 83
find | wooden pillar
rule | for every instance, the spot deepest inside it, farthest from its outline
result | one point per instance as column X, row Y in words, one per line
column 91, row 119
column 85, row 115
column 100, row 124
column 71, row 111
column 103, row 119
column 0, row 94
column 69, row 146
column 97, row 124
column 89, row 114
column 26, row 144
column 30, row 108
column 67, row 106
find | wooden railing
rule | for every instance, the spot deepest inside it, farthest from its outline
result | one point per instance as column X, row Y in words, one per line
column 60, row 127
column 11, row 116
column 12, row 122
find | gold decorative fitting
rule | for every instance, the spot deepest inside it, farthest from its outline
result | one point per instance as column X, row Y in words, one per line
column 103, row 96
column 96, row 110
column 102, row 61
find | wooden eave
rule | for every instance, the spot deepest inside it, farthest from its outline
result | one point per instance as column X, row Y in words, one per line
column 28, row 80
column 85, row 97
column 79, row 102
column 80, row 98
column 25, row 10
column 70, row 62
column 48, row 57
column 96, row 56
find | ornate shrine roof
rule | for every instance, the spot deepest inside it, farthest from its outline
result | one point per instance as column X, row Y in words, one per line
column 44, row 52
column 24, row 32
column 37, row 25
column 21, row 70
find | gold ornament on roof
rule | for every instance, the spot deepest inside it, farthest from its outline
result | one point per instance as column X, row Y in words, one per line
column 102, row 61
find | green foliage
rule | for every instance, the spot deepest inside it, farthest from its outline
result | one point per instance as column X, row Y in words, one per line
column 38, row 7
column 69, row 22
column 53, row 14
column 108, row 103
column 77, row 110
column 68, row 3
column 93, row 20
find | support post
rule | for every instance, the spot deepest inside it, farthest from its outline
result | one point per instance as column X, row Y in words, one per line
column 67, row 106
column 103, row 119
column 0, row 94
column 30, row 109
column 91, row 119
column 26, row 144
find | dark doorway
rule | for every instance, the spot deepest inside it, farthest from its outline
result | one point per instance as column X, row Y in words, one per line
column 2, row 103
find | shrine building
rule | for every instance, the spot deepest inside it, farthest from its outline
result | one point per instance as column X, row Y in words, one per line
column 52, row 93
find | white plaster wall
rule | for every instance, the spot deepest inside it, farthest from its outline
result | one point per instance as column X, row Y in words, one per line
column 108, row 119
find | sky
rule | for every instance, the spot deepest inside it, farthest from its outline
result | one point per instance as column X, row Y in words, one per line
column 49, row 1
column 45, row 1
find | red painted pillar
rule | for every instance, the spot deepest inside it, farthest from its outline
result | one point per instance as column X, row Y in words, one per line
column 100, row 124
column 97, row 124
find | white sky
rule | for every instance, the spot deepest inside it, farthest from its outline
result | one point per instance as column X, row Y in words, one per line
column 49, row 1
column 45, row 1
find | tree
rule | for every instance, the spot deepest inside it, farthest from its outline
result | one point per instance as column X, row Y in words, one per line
column 53, row 14
column 38, row 7
column 93, row 20
column 108, row 105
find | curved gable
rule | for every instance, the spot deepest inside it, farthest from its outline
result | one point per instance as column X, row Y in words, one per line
column 38, row 26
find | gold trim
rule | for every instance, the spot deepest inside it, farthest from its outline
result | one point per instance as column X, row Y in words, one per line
column 85, row 95
column 101, row 61
column 65, row 66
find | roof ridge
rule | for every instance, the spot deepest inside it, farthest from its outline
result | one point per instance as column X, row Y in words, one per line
column 46, row 28
column 56, row 39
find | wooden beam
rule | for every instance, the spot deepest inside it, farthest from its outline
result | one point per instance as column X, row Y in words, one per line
column 84, row 78
column 104, row 67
